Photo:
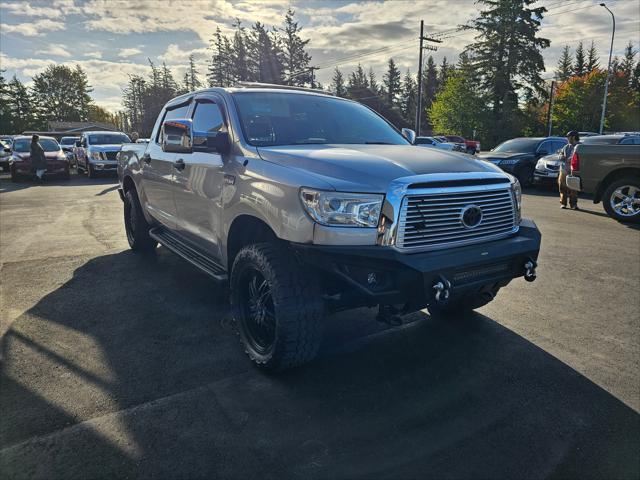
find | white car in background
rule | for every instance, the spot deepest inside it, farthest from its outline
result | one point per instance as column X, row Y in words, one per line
column 434, row 143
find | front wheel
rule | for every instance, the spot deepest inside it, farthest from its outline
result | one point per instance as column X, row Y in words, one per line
column 278, row 308
column 135, row 225
column 621, row 200
column 525, row 176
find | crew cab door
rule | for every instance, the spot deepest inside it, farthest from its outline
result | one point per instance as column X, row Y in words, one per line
column 81, row 152
column 199, row 179
column 157, row 172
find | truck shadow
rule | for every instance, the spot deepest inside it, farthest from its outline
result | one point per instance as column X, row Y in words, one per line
column 133, row 368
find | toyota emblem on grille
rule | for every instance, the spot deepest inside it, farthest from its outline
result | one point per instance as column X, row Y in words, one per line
column 471, row 216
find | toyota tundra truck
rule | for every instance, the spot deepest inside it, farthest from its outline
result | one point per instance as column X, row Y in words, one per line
column 306, row 204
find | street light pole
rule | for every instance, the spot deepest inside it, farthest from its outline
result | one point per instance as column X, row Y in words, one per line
column 606, row 83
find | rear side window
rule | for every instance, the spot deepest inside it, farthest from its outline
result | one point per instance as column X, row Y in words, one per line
column 207, row 117
column 630, row 141
column 172, row 114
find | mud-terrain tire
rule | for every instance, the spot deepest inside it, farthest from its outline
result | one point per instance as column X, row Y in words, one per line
column 463, row 304
column 277, row 307
column 136, row 225
column 625, row 186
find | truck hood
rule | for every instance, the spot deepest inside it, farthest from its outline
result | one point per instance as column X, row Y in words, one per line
column 370, row 168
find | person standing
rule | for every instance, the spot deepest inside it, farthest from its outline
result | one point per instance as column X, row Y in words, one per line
column 38, row 159
column 566, row 194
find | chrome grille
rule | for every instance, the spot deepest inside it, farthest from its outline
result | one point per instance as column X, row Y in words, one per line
column 435, row 220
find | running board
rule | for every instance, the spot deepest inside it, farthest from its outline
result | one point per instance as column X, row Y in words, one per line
column 189, row 253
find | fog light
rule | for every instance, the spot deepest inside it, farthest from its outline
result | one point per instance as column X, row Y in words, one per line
column 372, row 278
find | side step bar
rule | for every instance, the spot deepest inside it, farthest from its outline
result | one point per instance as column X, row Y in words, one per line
column 189, row 253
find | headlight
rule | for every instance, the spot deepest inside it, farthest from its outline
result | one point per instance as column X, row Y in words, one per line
column 509, row 161
column 517, row 196
column 342, row 209
column 540, row 165
column 96, row 156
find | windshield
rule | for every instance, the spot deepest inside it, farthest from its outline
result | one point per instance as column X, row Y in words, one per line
column 68, row 141
column 519, row 145
column 24, row 145
column 270, row 119
column 108, row 139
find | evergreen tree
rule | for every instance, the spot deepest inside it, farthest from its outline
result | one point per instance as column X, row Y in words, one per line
column 240, row 71
column 429, row 90
column 218, row 74
column 445, row 70
column 295, row 58
column 357, row 80
column 20, row 111
column 373, row 83
column 337, row 83
column 629, row 60
column 508, row 53
column 592, row 59
column 265, row 55
column 132, row 101
column 392, row 82
column 409, row 98
column 580, row 65
column 565, row 65
column 5, row 118
column 192, row 82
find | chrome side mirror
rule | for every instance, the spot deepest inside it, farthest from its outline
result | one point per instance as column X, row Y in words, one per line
column 177, row 136
column 409, row 135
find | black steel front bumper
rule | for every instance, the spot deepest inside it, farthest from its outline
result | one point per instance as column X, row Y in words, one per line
column 386, row 276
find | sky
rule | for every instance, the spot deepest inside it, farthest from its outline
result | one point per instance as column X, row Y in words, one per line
column 113, row 38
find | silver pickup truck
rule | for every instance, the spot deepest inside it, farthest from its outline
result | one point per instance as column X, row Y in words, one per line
column 307, row 204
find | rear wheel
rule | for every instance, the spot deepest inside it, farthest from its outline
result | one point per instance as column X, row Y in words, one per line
column 136, row 225
column 277, row 306
column 621, row 200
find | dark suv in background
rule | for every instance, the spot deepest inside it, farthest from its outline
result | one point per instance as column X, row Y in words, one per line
column 519, row 156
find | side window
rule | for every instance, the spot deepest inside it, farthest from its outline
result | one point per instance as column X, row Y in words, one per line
column 630, row 141
column 207, row 117
column 176, row 112
column 545, row 147
column 557, row 145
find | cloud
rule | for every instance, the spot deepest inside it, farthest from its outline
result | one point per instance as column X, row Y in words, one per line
column 56, row 51
column 33, row 29
column 128, row 52
column 175, row 54
column 30, row 10
column 95, row 54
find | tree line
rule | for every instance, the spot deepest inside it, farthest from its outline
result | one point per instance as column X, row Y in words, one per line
column 59, row 93
column 494, row 91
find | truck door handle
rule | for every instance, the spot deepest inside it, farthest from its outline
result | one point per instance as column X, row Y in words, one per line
column 179, row 164
column 146, row 158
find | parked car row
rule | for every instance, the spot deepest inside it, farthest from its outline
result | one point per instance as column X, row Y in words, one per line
column 20, row 159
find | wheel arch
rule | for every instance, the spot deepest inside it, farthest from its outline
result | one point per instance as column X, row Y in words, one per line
column 612, row 177
column 245, row 230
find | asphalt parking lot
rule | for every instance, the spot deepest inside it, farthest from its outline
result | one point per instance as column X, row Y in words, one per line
column 115, row 364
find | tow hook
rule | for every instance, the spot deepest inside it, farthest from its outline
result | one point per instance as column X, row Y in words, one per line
column 530, row 271
column 443, row 290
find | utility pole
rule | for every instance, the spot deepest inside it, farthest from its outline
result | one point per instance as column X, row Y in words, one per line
column 313, row 77
column 550, row 109
column 606, row 83
column 422, row 47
